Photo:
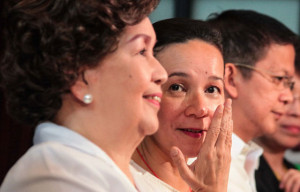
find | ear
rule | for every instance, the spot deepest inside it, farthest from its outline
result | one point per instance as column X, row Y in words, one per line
column 79, row 89
column 231, row 80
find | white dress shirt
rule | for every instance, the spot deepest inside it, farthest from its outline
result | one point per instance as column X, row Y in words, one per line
column 62, row 160
column 144, row 179
column 244, row 161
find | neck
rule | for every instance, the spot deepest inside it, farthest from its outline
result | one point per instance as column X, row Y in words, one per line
column 239, row 121
column 275, row 161
column 117, row 145
column 274, row 156
column 159, row 163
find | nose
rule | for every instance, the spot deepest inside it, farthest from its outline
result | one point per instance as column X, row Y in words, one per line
column 196, row 107
column 286, row 96
column 160, row 75
column 294, row 107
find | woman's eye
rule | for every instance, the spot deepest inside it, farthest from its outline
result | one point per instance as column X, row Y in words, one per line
column 177, row 87
column 212, row 89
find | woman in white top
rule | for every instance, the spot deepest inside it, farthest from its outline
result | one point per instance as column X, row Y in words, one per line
column 83, row 71
column 191, row 110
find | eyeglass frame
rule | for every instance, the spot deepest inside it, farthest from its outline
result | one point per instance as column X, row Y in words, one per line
column 276, row 79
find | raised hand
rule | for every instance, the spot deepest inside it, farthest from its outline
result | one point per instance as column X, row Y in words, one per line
column 209, row 173
column 290, row 182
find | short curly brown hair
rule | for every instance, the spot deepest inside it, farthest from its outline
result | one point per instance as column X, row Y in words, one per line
column 47, row 42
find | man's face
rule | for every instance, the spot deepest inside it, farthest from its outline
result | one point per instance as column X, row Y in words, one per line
column 261, row 99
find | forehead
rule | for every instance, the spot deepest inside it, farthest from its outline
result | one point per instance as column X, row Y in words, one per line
column 143, row 28
column 279, row 58
column 195, row 55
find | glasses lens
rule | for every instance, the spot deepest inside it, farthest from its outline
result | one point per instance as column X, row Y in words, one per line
column 291, row 85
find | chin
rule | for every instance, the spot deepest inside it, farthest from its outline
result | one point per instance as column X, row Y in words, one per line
column 149, row 128
column 269, row 129
column 190, row 153
column 289, row 143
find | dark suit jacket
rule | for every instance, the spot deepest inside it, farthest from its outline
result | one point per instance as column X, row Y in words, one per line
column 265, row 179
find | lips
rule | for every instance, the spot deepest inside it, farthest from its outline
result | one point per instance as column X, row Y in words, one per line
column 292, row 129
column 192, row 132
column 277, row 114
column 154, row 98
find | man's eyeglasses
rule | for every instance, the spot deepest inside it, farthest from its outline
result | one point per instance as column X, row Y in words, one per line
column 284, row 81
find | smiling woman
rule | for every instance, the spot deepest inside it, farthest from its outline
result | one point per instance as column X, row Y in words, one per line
column 83, row 73
column 191, row 95
column 191, row 53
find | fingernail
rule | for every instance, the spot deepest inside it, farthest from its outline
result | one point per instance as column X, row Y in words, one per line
column 228, row 103
column 174, row 152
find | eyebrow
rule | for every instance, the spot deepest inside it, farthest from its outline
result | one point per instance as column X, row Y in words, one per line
column 180, row 74
column 286, row 73
column 212, row 78
column 147, row 37
column 216, row 78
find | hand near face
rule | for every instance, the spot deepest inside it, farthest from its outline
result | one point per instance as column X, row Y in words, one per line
column 290, row 182
column 210, row 171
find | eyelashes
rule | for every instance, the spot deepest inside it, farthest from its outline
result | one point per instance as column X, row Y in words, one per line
column 177, row 88
column 213, row 89
column 143, row 51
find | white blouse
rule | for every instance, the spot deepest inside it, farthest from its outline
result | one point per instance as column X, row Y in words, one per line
column 145, row 180
column 244, row 162
column 62, row 160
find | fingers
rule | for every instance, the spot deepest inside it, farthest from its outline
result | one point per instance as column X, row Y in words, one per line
column 226, row 126
column 183, row 168
column 214, row 129
column 211, row 168
column 286, row 177
column 289, row 184
column 228, row 140
column 291, row 181
column 180, row 162
column 295, row 186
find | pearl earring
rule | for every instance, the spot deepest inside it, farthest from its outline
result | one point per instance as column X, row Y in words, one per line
column 87, row 99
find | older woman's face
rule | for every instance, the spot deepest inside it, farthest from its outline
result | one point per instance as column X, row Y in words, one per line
column 287, row 134
column 127, row 85
column 191, row 94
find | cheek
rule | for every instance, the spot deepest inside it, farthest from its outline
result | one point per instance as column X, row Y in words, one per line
column 285, row 139
column 166, row 111
column 135, row 85
column 138, row 76
column 269, row 101
column 170, row 111
column 266, row 96
column 283, row 120
column 212, row 108
column 214, row 105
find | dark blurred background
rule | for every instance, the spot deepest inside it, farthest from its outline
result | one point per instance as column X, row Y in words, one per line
column 15, row 139
column 286, row 11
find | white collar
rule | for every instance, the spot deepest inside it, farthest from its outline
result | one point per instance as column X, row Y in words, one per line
column 240, row 147
column 49, row 132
